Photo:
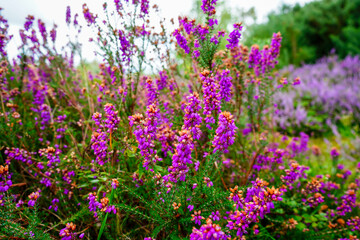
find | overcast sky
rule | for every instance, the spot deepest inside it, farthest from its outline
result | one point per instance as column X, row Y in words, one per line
column 53, row 11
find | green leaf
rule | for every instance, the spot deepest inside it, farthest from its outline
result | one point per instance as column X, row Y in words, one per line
column 301, row 226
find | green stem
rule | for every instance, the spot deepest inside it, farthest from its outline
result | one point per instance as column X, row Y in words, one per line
column 104, row 221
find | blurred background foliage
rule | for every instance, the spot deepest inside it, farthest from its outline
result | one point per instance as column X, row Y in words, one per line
column 313, row 30
column 309, row 32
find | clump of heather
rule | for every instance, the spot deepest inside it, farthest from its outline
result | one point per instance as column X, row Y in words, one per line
column 328, row 88
column 145, row 134
column 257, row 202
column 68, row 233
column 192, row 118
column 209, row 230
column 187, row 151
column 181, row 158
column 212, row 97
column 225, row 133
column 225, row 83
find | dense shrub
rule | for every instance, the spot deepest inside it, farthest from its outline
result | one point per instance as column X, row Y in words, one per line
column 327, row 99
column 153, row 148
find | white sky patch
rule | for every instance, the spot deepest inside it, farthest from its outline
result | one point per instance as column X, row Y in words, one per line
column 53, row 11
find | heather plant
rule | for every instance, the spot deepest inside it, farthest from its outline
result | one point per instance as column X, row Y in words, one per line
column 183, row 150
column 326, row 100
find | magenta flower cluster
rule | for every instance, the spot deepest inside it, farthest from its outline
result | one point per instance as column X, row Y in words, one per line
column 145, row 133
column 225, row 83
column 192, row 118
column 234, row 36
column 265, row 60
column 225, row 133
column 181, row 158
column 257, row 202
column 208, row 7
column 211, row 95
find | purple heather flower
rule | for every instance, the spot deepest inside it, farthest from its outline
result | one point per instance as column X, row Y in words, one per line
column 296, row 81
column 89, row 17
column 181, row 158
column 34, row 196
column 197, row 164
column 225, row 133
column 189, row 26
column 18, row 155
column 118, row 5
column 145, row 134
column 211, row 96
column 208, row 7
column 348, row 202
column 97, row 118
column 93, row 204
column 354, row 223
column 166, row 136
column 201, row 31
column 114, row 183
column 293, row 174
column 20, row 203
column 68, row 233
column 214, row 39
column 112, row 119
column 162, row 81
column 196, row 54
column 54, row 204
column 254, row 60
column 46, row 182
column 315, row 200
column 125, row 47
column 208, row 231
column 215, row 216
column 334, row 152
column 31, row 234
column 299, row 145
column 213, row 22
column 257, row 202
column 196, row 43
column 152, row 93
column 234, row 36
column 340, row 166
column 269, row 54
column 192, row 118
column 4, row 37
column 99, row 141
column 110, row 209
column 52, row 156
column 53, row 33
column 68, row 15
column 144, row 7
column 275, row 45
column 100, row 138
column 181, row 41
column 42, row 30
column 208, row 182
column 225, row 84
column 75, row 19
column 191, row 208
column 29, row 22
column 196, row 217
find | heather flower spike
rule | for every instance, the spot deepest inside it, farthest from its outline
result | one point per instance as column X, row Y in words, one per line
column 225, row 133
